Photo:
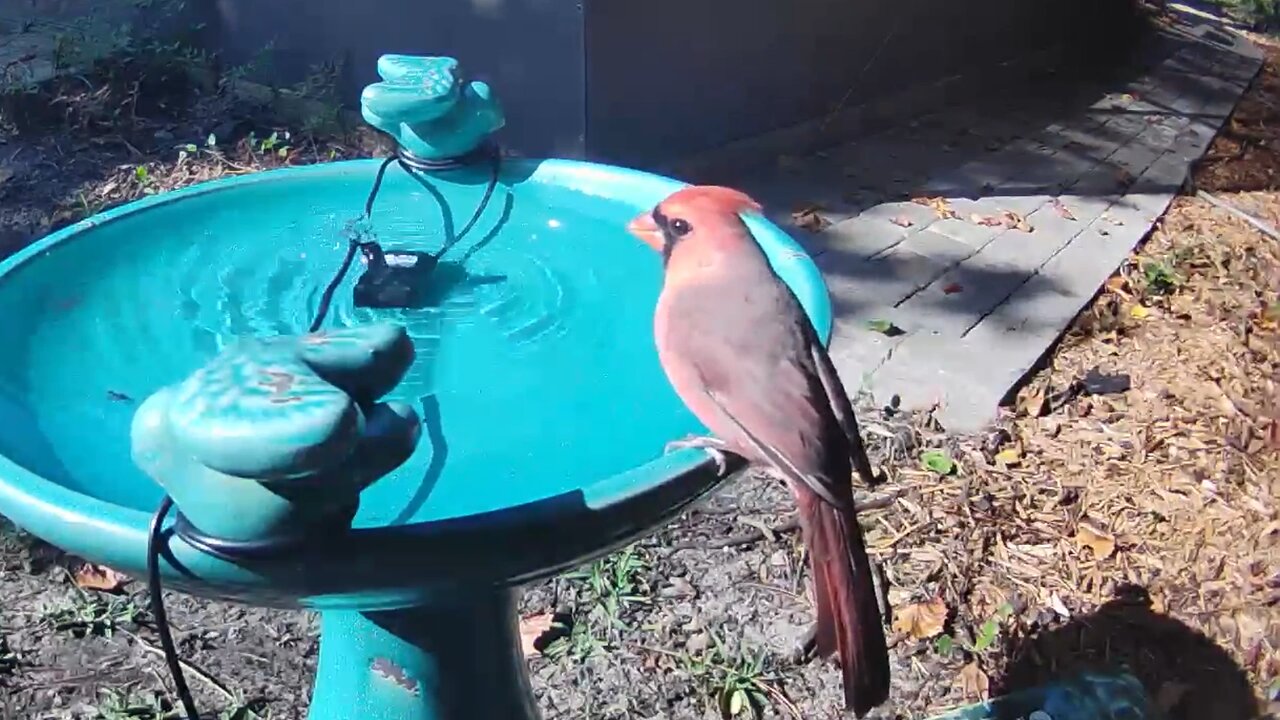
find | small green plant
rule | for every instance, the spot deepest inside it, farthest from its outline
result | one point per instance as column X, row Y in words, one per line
column 580, row 643
column 616, row 582
column 1159, row 277
column 984, row 639
column 95, row 615
column 937, row 461
column 122, row 705
column 65, row 53
column 86, row 207
column 241, row 709
column 261, row 59
column 146, row 182
column 736, row 683
column 321, row 87
column 277, row 143
column 607, row 588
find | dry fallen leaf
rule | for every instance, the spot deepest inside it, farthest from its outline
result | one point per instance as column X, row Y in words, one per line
column 1009, row 456
column 1101, row 542
column 1016, row 221
column 99, row 577
column 809, row 219
column 902, row 221
column 1118, row 285
column 1006, row 218
column 1139, row 312
column 1034, row 402
column 973, row 682
column 921, row 620
column 532, row 628
column 939, row 205
column 1056, row 604
column 952, row 288
column 1063, row 210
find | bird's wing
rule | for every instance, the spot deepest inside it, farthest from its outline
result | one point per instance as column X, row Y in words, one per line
column 842, row 408
column 778, row 459
column 768, row 393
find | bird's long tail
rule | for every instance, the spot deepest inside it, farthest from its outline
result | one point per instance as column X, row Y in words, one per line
column 849, row 620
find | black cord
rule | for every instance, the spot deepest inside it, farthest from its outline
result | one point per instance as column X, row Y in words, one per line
column 158, row 613
column 409, row 163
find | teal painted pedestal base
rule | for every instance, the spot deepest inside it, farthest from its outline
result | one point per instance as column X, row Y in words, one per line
column 455, row 661
column 1090, row 696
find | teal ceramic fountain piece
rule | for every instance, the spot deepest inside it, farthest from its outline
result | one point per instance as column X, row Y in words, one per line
column 543, row 410
column 276, row 437
column 1090, row 696
column 426, row 106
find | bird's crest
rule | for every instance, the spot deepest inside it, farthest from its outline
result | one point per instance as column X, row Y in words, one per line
column 715, row 196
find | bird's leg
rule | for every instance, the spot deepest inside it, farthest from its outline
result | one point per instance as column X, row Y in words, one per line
column 807, row 648
column 715, row 447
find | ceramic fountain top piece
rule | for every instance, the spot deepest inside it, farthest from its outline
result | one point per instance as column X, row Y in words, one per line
column 424, row 104
column 276, row 436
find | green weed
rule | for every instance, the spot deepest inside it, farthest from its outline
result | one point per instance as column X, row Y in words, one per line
column 95, row 615
column 125, row 705
column 735, row 683
column 984, row 639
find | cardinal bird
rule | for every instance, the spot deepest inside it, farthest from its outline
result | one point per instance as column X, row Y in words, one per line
column 743, row 356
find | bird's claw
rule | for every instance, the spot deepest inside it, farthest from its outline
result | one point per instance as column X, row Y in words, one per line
column 712, row 446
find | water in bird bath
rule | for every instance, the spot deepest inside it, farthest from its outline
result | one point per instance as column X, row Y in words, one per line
column 535, row 361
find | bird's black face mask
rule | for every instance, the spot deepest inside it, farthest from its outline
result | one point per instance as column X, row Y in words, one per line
column 395, row 278
column 673, row 229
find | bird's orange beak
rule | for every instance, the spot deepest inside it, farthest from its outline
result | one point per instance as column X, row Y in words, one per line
column 643, row 227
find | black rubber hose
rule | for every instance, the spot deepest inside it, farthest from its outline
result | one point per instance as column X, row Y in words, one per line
column 158, row 613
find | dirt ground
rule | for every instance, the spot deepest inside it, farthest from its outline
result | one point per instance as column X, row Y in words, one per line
column 1121, row 517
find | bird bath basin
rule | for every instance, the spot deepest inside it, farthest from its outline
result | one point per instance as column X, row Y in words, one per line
column 544, row 410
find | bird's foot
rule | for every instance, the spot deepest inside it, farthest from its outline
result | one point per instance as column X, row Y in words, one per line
column 713, row 446
column 807, row 649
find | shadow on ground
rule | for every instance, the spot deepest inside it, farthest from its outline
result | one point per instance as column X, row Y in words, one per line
column 1126, row 634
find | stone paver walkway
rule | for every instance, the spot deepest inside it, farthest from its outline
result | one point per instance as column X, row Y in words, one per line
column 1089, row 171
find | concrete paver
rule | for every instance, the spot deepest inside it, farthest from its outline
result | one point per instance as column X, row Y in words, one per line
column 980, row 303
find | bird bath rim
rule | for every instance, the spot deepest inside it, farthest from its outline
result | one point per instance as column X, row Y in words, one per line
column 586, row 522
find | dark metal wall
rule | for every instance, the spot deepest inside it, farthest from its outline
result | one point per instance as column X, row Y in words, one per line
column 646, row 82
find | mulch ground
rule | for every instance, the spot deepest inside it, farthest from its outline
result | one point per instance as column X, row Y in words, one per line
column 1124, row 514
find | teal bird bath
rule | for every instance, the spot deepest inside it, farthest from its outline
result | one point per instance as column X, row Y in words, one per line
column 416, row 465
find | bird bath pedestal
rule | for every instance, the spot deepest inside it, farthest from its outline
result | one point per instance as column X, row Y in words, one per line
column 405, row 470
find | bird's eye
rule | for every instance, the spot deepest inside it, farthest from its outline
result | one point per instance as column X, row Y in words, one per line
column 680, row 227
